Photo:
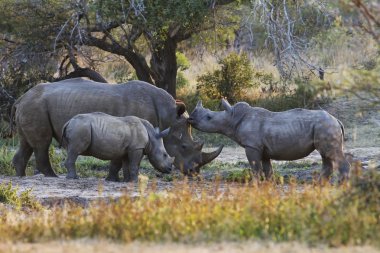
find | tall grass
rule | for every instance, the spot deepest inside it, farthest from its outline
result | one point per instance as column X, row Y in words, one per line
column 193, row 212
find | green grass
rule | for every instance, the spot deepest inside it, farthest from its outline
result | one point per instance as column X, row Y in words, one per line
column 86, row 166
column 241, row 171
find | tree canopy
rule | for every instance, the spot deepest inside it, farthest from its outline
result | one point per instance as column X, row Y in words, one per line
column 146, row 33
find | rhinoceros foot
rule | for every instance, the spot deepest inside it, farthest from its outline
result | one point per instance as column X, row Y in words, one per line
column 113, row 178
column 72, row 176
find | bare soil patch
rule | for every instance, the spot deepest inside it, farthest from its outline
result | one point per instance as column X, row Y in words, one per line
column 237, row 154
column 55, row 191
column 138, row 247
column 52, row 191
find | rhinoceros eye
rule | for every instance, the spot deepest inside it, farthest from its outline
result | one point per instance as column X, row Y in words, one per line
column 209, row 117
column 183, row 146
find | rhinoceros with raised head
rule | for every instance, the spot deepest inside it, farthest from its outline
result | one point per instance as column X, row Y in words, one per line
column 267, row 135
column 43, row 110
column 124, row 140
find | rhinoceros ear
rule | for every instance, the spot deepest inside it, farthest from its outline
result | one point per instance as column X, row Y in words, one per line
column 156, row 131
column 164, row 133
column 225, row 105
column 181, row 108
column 199, row 104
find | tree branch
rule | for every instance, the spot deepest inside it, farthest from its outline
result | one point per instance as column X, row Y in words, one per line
column 137, row 61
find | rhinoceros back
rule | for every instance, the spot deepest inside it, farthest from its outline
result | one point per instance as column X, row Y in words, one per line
column 55, row 103
column 105, row 136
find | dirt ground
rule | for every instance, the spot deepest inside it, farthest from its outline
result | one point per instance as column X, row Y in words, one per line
column 52, row 191
column 365, row 155
column 138, row 247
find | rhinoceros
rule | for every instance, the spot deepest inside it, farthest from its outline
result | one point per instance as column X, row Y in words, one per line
column 43, row 110
column 267, row 135
column 124, row 140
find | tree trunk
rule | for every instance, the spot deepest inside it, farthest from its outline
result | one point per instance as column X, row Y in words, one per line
column 162, row 71
column 140, row 66
column 164, row 66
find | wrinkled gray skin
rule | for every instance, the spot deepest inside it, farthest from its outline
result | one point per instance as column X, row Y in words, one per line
column 124, row 140
column 267, row 135
column 42, row 111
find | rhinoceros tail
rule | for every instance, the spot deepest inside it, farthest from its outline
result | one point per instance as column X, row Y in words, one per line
column 12, row 117
column 63, row 142
column 342, row 127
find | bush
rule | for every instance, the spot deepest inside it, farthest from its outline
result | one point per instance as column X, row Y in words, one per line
column 182, row 61
column 182, row 64
column 181, row 80
column 238, row 81
column 6, row 167
column 9, row 195
column 235, row 75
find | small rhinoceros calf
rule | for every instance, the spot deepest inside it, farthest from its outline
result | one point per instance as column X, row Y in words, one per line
column 123, row 140
column 287, row 135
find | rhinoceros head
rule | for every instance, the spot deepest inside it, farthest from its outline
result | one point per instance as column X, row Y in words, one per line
column 157, row 154
column 188, row 154
column 209, row 121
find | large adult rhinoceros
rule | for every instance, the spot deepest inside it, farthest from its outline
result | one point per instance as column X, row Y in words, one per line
column 287, row 135
column 43, row 110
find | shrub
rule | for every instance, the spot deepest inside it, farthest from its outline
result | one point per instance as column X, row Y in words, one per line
column 235, row 75
column 182, row 61
column 6, row 162
column 182, row 64
column 181, row 80
column 9, row 195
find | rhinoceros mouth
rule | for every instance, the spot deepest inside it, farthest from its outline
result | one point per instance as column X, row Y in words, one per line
column 191, row 120
column 166, row 170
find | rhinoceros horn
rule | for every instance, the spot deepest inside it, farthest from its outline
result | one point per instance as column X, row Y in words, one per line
column 199, row 145
column 163, row 134
column 225, row 105
column 208, row 157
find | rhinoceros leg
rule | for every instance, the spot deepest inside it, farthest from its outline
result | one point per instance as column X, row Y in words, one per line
column 70, row 165
column 267, row 167
column 22, row 157
column 132, row 165
column 336, row 162
column 113, row 174
column 254, row 157
column 126, row 171
column 43, row 162
column 327, row 168
column 344, row 170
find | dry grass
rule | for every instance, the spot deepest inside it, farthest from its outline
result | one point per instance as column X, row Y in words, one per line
column 199, row 212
